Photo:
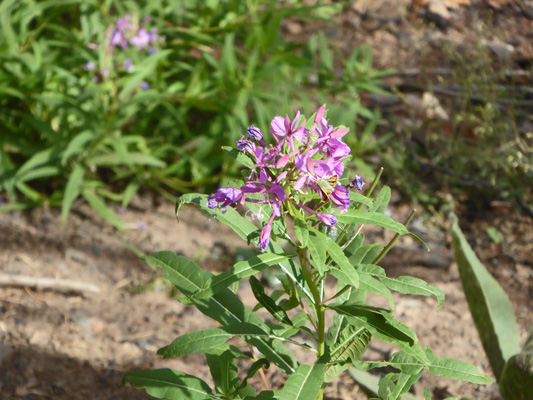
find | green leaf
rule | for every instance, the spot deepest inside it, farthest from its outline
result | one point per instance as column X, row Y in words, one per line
column 224, row 307
column 517, row 378
column 77, row 145
column 317, row 249
column 346, row 268
column 170, row 384
column 382, row 201
column 72, row 190
column 239, row 156
column 455, row 369
column 383, row 326
column 101, row 208
column 301, row 230
column 359, row 198
column 351, row 345
column 305, row 383
column 371, row 218
column 411, row 285
column 224, row 372
column 372, row 285
column 266, row 301
column 490, row 307
column 231, row 218
column 240, row 270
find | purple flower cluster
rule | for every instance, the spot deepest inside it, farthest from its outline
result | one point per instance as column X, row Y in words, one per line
column 127, row 32
column 303, row 161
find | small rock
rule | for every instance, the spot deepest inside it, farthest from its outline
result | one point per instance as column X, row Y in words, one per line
column 40, row 337
column 438, row 13
column 503, row 51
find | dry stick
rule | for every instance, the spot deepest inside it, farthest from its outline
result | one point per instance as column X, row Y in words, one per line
column 61, row 285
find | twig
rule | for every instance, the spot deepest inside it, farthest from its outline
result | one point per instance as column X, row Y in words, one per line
column 60, row 285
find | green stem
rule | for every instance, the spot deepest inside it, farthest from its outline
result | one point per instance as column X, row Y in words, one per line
column 319, row 307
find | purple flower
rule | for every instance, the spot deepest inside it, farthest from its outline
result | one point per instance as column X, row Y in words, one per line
column 358, row 182
column 246, row 145
column 144, row 85
column 123, row 23
column 256, row 134
column 340, row 197
column 327, row 219
column 264, row 239
column 225, row 195
column 90, row 65
column 287, row 131
column 128, row 64
column 143, row 39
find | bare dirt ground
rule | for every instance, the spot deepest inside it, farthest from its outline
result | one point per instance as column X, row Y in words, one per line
column 58, row 343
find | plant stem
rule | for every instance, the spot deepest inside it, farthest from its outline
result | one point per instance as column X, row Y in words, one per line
column 319, row 307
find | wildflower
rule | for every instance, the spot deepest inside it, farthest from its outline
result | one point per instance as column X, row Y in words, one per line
column 256, row 134
column 287, row 131
column 340, row 197
column 358, row 182
column 225, row 195
column 311, row 161
column 143, row 38
column 246, row 145
column 264, row 238
column 90, row 65
column 144, row 85
column 128, row 65
column 327, row 219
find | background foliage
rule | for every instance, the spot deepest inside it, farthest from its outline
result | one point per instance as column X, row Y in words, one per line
column 70, row 131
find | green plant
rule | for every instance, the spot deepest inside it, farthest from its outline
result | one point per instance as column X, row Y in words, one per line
column 76, row 122
column 495, row 322
column 298, row 178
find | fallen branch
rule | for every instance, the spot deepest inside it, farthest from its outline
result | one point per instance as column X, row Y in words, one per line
column 42, row 283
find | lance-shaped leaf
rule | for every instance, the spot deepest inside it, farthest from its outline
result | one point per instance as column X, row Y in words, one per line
column 372, row 285
column 383, row 326
column 224, row 307
column 305, row 383
column 170, row 384
column 351, row 345
column 455, row 369
column 371, row 218
column 240, row 270
column 230, row 217
column 446, row 367
column 266, row 301
column 239, row 156
column 411, row 285
column 490, row 307
column 382, row 200
column 317, row 249
column 202, row 341
column 337, row 255
column 224, row 372
column 245, row 229
column 517, row 378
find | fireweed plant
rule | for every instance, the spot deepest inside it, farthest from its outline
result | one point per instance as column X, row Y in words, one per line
column 125, row 41
column 308, row 227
